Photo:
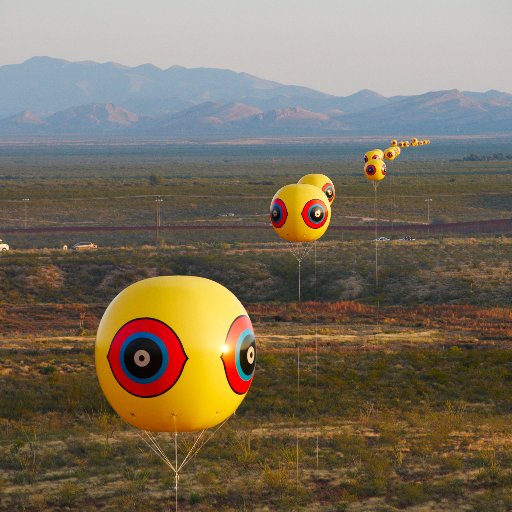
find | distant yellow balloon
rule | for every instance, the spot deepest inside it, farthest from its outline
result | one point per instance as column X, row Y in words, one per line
column 300, row 213
column 321, row 181
column 394, row 142
column 401, row 144
column 407, row 143
column 175, row 354
column 390, row 153
column 414, row 141
column 397, row 150
column 374, row 154
column 375, row 170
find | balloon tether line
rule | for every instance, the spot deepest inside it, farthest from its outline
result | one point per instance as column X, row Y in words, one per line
column 316, row 360
column 375, row 184
column 375, row 214
column 299, row 251
column 155, row 447
column 177, row 472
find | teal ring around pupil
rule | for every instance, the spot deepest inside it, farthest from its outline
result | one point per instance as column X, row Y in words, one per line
column 244, row 376
column 312, row 218
column 161, row 345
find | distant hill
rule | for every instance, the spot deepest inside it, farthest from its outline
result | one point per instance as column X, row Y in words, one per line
column 46, row 96
column 45, row 85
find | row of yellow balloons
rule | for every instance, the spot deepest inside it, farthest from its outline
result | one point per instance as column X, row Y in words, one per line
column 375, row 168
column 301, row 212
column 414, row 142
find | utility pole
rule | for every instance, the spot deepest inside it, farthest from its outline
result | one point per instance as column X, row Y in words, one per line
column 428, row 201
column 25, row 201
column 158, row 203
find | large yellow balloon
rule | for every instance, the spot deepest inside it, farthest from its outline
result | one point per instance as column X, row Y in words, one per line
column 390, row 153
column 175, row 354
column 374, row 154
column 376, row 170
column 320, row 181
column 300, row 213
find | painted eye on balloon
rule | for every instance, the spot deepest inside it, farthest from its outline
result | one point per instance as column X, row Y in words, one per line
column 278, row 213
column 365, row 159
column 146, row 357
column 239, row 355
column 383, row 169
column 315, row 213
column 376, row 157
column 328, row 189
column 371, row 170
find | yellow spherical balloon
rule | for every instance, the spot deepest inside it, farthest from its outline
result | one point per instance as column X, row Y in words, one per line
column 397, row 150
column 394, row 142
column 390, row 153
column 407, row 143
column 376, row 170
column 321, row 181
column 175, row 354
column 300, row 213
column 374, row 154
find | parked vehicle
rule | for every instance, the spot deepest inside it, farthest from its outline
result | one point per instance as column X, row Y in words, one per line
column 408, row 238
column 3, row 247
column 382, row 239
column 83, row 246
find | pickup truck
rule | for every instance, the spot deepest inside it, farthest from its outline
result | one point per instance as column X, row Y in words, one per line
column 3, row 247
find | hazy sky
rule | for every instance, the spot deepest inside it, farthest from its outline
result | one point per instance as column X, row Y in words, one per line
column 336, row 46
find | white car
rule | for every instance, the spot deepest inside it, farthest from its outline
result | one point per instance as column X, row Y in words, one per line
column 3, row 247
column 382, row 239
column 83, row 246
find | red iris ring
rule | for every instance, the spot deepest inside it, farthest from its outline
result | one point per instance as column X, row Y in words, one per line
column 331, row 187
column 282, row 213
column 307, row 210
column 167, row 349
column 241, row 332
column 371, row 170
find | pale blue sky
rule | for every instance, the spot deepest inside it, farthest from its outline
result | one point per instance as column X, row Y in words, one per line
column 336, row 46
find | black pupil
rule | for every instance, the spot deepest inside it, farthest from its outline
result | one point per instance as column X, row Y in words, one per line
column 276, row 214
column 248, row 354
column 147, row 354
column 316, row 214
column 328, row 192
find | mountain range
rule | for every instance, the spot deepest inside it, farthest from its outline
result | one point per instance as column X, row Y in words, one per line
column 44, row 96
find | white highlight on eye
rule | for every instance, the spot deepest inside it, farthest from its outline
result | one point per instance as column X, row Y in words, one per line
column 251, row 354
column 142, row 358
column 224, row 349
